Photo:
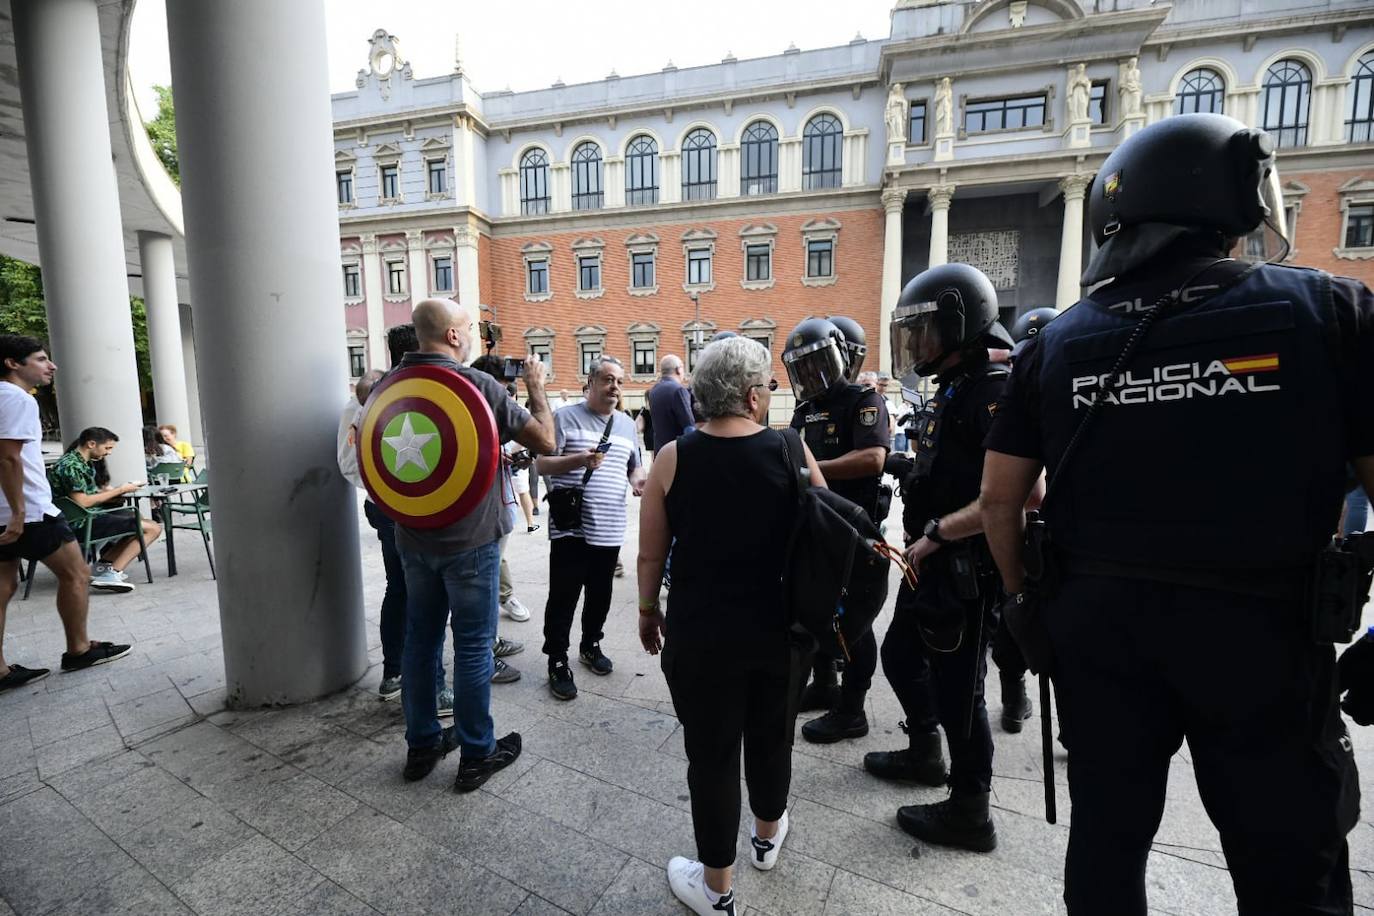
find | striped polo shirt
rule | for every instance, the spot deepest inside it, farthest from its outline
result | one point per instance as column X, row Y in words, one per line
column 577, row 429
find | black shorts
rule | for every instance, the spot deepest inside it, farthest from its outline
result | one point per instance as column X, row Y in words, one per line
column 114, row 524
column 39, row 540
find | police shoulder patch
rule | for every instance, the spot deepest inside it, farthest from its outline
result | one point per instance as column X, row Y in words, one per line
column 868, row 416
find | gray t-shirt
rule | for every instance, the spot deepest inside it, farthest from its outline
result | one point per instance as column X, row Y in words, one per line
column 603, row 506
column 488, row 521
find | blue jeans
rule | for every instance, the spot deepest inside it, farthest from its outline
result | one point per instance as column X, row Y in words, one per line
column 394, row 598
column 1356, row 511
column 462, row 584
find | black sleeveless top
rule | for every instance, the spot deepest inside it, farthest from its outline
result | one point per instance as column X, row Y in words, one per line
column 730, row 511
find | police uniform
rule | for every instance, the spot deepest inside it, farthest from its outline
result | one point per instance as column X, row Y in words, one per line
column 1185, row 531
column 935, row 651
column 847, row 419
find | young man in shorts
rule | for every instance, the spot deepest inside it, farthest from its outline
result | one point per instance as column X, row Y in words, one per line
column 30, row 525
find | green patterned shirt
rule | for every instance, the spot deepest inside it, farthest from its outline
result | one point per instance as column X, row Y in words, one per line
column 72, row 474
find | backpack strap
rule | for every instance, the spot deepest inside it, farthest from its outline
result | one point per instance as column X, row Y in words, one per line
column 793, row 453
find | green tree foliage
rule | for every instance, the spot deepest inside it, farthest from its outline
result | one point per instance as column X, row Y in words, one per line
column 162, row 132
column 23, row 311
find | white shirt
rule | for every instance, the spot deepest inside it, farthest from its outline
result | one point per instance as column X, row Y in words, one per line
column 19, row 421
column 348, row 452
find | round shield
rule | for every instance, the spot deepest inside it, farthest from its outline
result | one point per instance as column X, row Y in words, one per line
column 427, row 446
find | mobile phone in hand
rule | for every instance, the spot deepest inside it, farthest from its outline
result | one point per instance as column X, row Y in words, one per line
column 603, row 447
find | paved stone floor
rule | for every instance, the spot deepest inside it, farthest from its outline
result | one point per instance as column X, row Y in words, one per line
column 130, row 789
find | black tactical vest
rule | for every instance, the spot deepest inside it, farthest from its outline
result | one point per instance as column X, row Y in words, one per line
column 827, row 427
column 1223, row 446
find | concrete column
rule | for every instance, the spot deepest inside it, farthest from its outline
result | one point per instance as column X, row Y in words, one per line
column 263, row 247
column 77, row 220
column 560, row 187
column 893, row 201
column 1071, row 242
column 417, row 265
column 164, row 329
column 464, row 170
column 377, row 354
column 465, row 263
column 195, row 434
column 727, row 176
column 669, row 177
column 615, row 181
column 937, row 200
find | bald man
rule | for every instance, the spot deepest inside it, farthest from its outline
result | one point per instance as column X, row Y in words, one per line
column 670, row 403
column 453, row 570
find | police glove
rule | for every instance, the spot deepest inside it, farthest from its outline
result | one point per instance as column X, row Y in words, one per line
column 1355, row 678
column 898, row 465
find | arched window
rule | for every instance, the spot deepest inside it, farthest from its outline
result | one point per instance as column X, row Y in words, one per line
column 534, row 182
column 586, row 176
column 1360, row 126
column 758, row 170
column 699, row 165
column 1200, row 90
column 821, row 154
column 641, row 171
column 1287, row 92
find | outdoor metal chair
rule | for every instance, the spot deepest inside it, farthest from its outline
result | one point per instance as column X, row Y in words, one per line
column 80, row 518
column 196, row 515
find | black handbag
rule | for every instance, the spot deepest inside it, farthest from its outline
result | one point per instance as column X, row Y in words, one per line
column 565, row 503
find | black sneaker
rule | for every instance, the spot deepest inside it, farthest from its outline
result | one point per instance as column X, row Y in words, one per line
column 1016, row 706
column 98, row 654
column 421, row 761
column 596, row 660
column 19, row 676
column 473, row 771
column 561, row 681
column 960, row 821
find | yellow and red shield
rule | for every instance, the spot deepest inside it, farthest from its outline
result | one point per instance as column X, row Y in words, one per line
column 427, row 445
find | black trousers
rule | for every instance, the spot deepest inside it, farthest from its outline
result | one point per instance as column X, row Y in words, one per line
column 1140, row 666
column 393, row 623
column 576, row 567
column 723, row 701
column 857, row 675
column 1011, row 664
column 945, row 688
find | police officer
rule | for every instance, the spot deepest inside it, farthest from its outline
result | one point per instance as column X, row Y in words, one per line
column 935, row 651
column 845, row 426
column 1184, row 526
column 1011, row 664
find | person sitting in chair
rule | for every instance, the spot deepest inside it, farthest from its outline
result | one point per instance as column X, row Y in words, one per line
column 74, row 476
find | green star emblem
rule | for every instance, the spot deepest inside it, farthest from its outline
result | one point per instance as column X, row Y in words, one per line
column 411, row 446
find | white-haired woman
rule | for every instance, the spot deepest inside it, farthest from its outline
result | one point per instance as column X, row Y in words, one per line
column 724, row 498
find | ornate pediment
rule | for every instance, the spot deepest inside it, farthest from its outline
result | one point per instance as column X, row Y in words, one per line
column 698, row 235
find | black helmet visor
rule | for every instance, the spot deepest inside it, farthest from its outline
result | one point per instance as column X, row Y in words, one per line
column 815, row 368
column 857, row 353
column 916, row 344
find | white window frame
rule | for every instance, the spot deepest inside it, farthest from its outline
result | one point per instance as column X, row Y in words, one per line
column 541, row 337
column 689, row 334
column 346, row 162
column 761, row 329
column 589, row 335
column 641, row 243
column 356, row 339
column 389, row 262
column 1355, row 192
column 537, row 251
column 644, row 332
column 356, row 265
column 590, row 248
column 761, row 234
column 821, row 230
column 386, row 156
column 434, row 259
column 698, row 240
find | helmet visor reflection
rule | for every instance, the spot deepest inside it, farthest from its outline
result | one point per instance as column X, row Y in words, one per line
column 915, row 342
column 815, row 371
column 1270, row 240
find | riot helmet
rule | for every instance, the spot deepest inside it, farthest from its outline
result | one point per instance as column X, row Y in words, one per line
column 943, row 311
column 722, row 335
column 855, row 345
column 1025, row 328
column 814, row 358
column 1188, row 173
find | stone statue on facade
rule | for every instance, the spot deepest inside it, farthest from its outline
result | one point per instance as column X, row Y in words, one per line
column 1129, row 89
column 896, row 114
column 1080, row 92
column 944, row 109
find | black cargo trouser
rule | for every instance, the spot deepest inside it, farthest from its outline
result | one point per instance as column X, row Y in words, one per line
column 945, row 688
column 1140, row 666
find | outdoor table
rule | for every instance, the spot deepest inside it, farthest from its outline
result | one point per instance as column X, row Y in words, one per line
column 172, row 492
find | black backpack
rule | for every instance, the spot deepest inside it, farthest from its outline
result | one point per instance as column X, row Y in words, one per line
column 836, row 568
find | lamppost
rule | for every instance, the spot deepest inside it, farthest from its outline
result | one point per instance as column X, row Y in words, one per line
column 696, row 329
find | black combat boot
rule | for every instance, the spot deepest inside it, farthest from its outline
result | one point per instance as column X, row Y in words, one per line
column 923, row 763
column 846, row 720
column 824, row 690
column 1016, row 706
column 962, row 820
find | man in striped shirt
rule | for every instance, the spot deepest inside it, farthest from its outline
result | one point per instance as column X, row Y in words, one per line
column 583, row 558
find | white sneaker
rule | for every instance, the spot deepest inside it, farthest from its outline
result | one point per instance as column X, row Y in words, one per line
column 766, row 851
column 513, row 609
column 687, row 879
column 110, row 581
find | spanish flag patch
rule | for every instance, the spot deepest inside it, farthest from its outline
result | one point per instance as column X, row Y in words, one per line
column 1266, row 362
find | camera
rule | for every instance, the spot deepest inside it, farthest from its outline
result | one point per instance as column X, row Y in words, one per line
column 512, row 368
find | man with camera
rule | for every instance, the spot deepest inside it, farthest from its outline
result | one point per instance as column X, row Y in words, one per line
column 597, row 455
column 1190, row 587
